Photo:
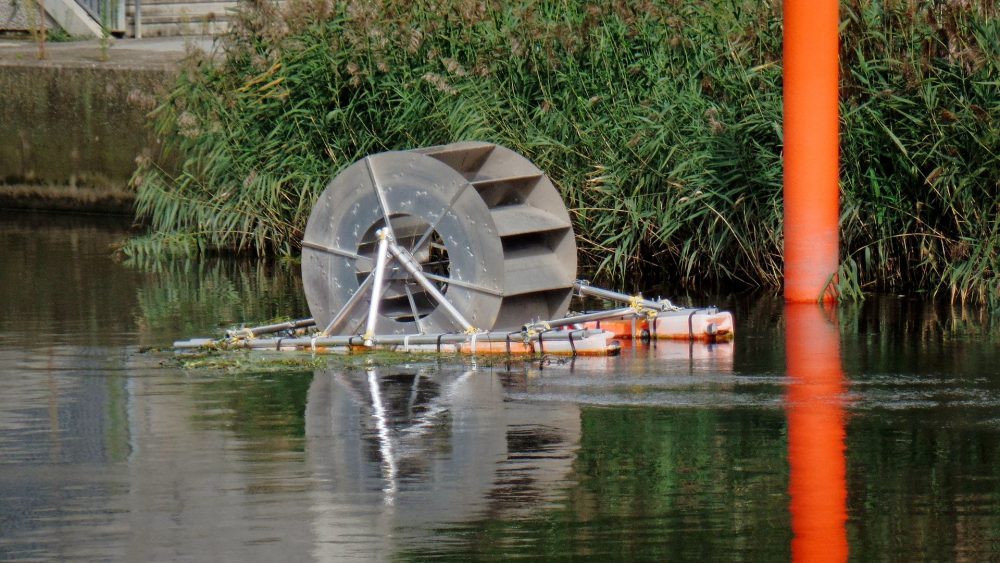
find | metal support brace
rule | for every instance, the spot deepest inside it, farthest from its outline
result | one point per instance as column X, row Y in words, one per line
column 345, row 311
column 576, row 319
column 636, row 301
column 384, row 239
column 413, row 268
column 252, row 332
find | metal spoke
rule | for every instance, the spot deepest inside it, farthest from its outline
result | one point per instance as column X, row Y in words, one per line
column 460, row 283
column 413, row 307
column 380, row 196
column 337, row 252
column 342, row 315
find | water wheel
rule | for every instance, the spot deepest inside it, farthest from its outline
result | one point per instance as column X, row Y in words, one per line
column 483, row 224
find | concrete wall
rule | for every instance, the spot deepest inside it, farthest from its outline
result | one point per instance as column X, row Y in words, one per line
column 77, row 125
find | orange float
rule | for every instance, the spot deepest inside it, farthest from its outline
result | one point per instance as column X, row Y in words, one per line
column 706, row 325
column 811, row 149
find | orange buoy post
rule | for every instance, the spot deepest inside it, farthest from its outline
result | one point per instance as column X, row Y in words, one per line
column 811, row 148
column 817, row 483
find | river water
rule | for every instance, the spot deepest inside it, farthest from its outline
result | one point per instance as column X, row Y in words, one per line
column 869, row 432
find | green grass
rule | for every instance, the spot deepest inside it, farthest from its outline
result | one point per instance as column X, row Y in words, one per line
column 659, row 121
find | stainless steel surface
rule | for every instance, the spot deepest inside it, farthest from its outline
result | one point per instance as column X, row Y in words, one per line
column 381, row 262
column 484, row 225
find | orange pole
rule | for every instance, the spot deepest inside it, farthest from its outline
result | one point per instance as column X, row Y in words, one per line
column 817, row 483
column 811, row 148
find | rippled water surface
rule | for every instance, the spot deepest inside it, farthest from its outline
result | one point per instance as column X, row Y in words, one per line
column 869, row 433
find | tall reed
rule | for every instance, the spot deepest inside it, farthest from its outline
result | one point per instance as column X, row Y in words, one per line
column 660, row 122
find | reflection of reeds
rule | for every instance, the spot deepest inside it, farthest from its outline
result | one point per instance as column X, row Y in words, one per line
column 198, row 297
column 659, row 121
column 268, row 409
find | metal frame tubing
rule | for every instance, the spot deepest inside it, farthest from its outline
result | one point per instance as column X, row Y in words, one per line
column 344, row 312
column 584, row 318
column 379, row 284
column 413, row 268
column 584, row 288
column 270, row 329
column 400, row 339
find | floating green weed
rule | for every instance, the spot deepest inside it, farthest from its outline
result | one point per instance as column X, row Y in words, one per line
column 250, row 361
column 247, row 362
column 253, row 361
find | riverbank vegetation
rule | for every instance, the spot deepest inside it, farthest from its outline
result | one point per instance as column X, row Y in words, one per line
column 660, row 122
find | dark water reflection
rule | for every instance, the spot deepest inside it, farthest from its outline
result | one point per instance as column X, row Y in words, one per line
column 866, row 433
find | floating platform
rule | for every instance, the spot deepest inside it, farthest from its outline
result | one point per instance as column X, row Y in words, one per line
column 464, row 248
column 595, row 333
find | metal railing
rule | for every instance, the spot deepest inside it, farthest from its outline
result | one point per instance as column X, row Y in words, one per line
column 110, row 14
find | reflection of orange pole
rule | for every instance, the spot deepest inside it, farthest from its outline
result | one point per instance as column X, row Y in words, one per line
column 812, row 150
column 817, row 482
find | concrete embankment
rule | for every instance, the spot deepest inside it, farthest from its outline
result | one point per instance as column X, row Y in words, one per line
column 72, row 126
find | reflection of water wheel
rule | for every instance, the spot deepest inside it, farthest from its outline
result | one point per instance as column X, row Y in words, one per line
column 484, row 224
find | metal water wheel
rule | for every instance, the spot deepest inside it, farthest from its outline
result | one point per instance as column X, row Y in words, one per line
column 483, row 224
